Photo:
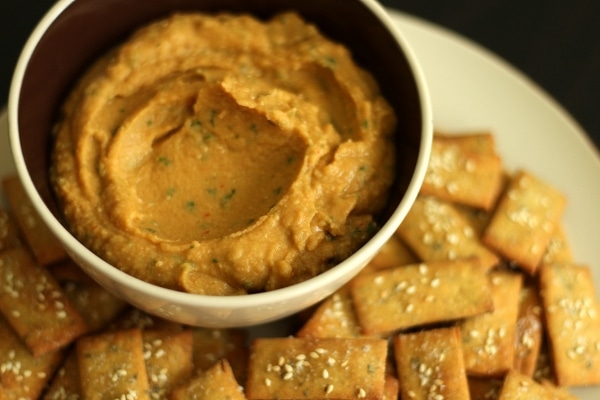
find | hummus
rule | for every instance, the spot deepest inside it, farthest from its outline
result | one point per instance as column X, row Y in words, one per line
column 223, row 155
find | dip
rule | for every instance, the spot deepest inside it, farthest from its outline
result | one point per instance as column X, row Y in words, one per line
column 223, row 155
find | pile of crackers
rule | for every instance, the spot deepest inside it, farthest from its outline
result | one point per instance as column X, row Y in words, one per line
column 477, row 296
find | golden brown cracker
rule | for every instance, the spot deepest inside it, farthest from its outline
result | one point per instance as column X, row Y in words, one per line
column 339, row 368
column 489, row 339
column 521, row 387
column 558, row 249
column 9, row 234
column 168, row 357
column 525, row 220
column 393, row 253
column 391, row 388
column 477, row 219
column 572, row 313
column 111, row 366
column 68, row 270
column 436, row 231
column 420, row 294
column 96, row 305
column 462, row 171
column 530, row 329
column 480, row 142
column 65, row 382
column 42, row 242
column 430, row 365
column 544, row 371
column 334, row 317
column 35, row 305
column 22, row 375
column 216, row 383
column 133, row 317
column 212, row 345
column 484, row 388
column 557, row 393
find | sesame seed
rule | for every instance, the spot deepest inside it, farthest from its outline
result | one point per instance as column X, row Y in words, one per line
column 361, row 393
column 325, row 374
column 267, row 382
column 328, row 389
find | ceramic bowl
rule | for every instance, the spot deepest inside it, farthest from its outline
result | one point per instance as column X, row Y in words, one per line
column 75, row 32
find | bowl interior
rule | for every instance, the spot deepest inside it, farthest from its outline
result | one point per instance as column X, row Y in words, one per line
column 75, row 32
column 87, row 28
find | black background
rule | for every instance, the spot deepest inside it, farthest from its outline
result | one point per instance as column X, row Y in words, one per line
column 554, row 42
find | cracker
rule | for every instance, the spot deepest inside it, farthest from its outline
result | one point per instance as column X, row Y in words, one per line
column 334, row 317
column 544, row 371
column 484, row 388
column 572, row 313
column 96, row 305
column 65, row 382
column 391, row 388
column 521, row 387
column 530, row 330
column 558, row 393
column 393, row 253
column 317, row 368
column 42, row 242
column 212, row 345
column 111, row 366
column 35, row 305
column 9, row 234
column 480, row 142
column 23, row 376
column 489, row 339
column 168, row 357
column 464, row 169
column 477, row 219
column 430, row 365
column 420, row 294
column 558, row 249
column 136, row 318
column 436, row 231
column 216, row 383
column 69, row 271
column 525, row 220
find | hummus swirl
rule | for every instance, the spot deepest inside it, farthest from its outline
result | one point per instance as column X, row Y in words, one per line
column 222, row 155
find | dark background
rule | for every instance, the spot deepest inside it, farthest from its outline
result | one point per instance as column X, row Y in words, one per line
column 554, row 42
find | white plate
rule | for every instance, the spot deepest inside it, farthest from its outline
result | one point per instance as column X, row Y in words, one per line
column 473, row 89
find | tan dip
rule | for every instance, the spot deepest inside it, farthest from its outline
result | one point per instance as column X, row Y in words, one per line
column 224, row 155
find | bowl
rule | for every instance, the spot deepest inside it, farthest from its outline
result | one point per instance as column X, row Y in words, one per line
column 73, row 33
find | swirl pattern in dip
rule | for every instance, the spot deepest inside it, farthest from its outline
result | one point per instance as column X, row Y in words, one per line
column 220, row 154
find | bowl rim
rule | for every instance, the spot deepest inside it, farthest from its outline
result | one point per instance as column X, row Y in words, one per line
column 341, row 272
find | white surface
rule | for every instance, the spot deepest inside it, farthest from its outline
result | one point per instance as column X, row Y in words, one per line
column 472, row 89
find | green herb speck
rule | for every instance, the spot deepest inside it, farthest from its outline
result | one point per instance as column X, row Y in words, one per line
column 225, row 200
column 190, row 205
column 164, row 161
